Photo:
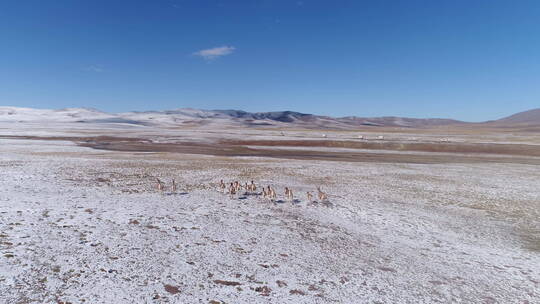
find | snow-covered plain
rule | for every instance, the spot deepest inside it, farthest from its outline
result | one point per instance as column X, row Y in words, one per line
column 79, row 225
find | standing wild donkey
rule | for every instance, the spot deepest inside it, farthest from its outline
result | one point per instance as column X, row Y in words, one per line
column 289, row 194
column 159, row 185
column 309, row 197
column 222, row 186
column 173, row 188
column 322, row 196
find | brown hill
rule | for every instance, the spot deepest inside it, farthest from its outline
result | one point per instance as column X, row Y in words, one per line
column 531, row 117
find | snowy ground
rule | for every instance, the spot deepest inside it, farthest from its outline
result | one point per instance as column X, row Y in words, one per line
column 86, row 226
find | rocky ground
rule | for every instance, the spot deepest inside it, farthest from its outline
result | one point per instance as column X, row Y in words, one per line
column 79, row 225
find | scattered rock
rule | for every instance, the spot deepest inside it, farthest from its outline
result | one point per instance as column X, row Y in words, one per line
column 263, row 290
column 281, row 283
column 344, row 280
column 297, row 292
column 387, row 269
column 171, row 289
column 226, row 283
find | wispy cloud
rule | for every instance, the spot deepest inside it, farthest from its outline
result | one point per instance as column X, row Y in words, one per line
column 94, row 68
column 213, row 53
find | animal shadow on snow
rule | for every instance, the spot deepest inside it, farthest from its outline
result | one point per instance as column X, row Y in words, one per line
column 327, row 204
column 180, row 193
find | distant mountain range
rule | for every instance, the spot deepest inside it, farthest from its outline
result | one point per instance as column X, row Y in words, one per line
column 195, row 117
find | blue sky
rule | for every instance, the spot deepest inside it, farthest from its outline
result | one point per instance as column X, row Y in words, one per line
column 467, row 59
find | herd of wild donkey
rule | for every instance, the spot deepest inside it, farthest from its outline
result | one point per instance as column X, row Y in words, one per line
column 268, row 193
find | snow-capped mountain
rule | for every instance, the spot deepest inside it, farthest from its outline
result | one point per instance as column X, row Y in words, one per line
column 197, row 117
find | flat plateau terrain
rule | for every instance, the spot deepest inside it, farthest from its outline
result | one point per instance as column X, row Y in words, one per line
column 417, row 216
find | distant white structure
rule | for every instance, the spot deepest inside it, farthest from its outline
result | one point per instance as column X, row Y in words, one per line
column 360, row 136
column 324, row 135
column 380, row 137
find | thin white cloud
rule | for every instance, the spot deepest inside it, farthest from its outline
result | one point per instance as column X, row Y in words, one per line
column 213, row 53
column 94, row 68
